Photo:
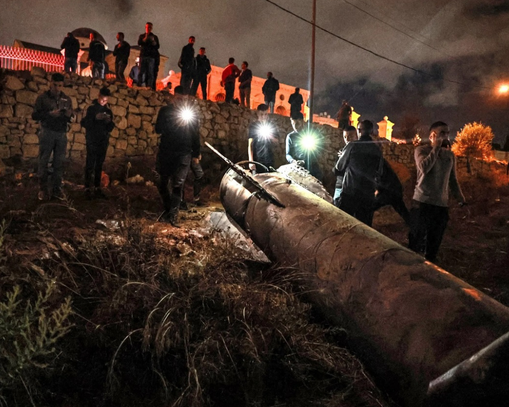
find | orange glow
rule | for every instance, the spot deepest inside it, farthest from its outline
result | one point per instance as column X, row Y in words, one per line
column 503, row 89
column 473, row 293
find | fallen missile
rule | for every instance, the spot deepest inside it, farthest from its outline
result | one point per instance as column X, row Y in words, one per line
column 409, row 321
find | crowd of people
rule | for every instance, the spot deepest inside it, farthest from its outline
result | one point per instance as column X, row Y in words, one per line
column 365, row 181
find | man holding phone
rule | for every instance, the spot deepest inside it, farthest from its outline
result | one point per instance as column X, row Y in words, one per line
column 53, row 109
column 99, row 123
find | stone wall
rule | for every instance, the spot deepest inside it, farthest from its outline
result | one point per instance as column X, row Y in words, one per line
column 223, row 125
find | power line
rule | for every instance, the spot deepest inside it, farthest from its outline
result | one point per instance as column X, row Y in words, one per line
column 395, row 28
column 363, row 48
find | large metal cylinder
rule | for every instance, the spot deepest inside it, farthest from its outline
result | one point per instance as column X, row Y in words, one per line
column 408, row 320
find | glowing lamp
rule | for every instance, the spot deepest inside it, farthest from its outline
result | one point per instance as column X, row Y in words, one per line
column 265, row 130
column 187, row 114
column 503, row 89
column 309, row 142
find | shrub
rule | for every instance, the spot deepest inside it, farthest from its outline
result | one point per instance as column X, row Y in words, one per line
column 474, row 140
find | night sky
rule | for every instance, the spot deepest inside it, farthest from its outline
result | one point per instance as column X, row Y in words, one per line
column 463, row 41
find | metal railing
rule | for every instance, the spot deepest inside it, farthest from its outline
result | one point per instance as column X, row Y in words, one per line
column 23, row 59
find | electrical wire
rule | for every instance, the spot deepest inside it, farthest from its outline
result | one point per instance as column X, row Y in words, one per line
column 364, row 48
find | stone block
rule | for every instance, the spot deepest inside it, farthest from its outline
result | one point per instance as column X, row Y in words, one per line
column 146, row 93
column 76, row 154
column 5, row 152
column 132, row 140
column 80, row 138
column 122, row 102
column 70, row 91
column 141, row 101
column 130, row 131
column 203, row 132
column 38, row 71
column 142, row 135
column 13, row 83
column 30, row 150
column 142, row 144
column 83, row 90
column 75, row 127
column 114, row 133
column 78, row 146
column 30, row 139
column 23, row 110
column 41, row 80
column 121, row 122
column 147, row 126
column 221, row 134
column 133, row 121
column 146, row 118
column 147, row 110
column 155, row 101
column 15, row 151
column 26, row 96
column 6, row 111
column 112, row 100
column 131, row 150
column 93, row 93
column 110, row 152
column 121, row 144
column 118, row 110
column 112, row 141
column 220, row 119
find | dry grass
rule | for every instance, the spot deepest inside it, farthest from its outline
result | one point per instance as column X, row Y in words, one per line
column 154, row 324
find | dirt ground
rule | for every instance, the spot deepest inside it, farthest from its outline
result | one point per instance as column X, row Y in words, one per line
column 475, row 246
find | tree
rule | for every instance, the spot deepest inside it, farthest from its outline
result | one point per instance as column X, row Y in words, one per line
column 474, row 140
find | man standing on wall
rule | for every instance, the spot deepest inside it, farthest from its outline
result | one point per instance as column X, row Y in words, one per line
column 187, row 65
column 360, row 163
column 96, row 56
column 245, row 79
column 149, row 54
column 296, row 102
column 269, row 89
column 178, row 126
column 72, row 48
column 99, row 123
column 261, row 135
column 54, row 110
column 121, row 53
column 436, row 173
column 203, row 68
column 230, row 73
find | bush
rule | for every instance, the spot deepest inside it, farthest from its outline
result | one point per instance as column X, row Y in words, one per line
column 474, row 140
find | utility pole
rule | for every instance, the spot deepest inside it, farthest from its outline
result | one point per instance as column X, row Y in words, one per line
column 312, row 82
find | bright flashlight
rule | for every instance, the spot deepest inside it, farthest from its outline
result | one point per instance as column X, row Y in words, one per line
column 309, row 142
column 265, row 130
column 187, row 114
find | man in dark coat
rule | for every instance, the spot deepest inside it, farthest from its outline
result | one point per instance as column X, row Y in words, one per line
column 302, row 148
column 203, row 68
column 96, row 56
column 121, row 52
column 98, row 122
column 360, row 163
column 269, row 90
column 187, row 65
column 296, row 102
column 178, row 125
column 349, row 134
column 149, row 55
column 54, row 110
column 245, row 78
column 261, row 135
column 72, row 48
column 345, row 111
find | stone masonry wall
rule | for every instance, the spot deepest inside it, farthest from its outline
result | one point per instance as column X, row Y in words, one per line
column 135, row 111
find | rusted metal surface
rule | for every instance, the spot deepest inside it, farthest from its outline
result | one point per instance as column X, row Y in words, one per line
column 408, row 320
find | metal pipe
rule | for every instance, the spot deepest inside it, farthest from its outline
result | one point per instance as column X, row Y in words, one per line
column 408, row 320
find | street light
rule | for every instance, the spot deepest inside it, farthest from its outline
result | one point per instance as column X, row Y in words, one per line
column 503, row 89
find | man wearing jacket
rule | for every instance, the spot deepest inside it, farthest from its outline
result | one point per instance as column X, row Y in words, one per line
column 54, row 110
column 230, row 73
column 99, row 123
column 349, row 134
column 187, row 65
column 360, row 163
column 149, row 54
column 203, row 68
column 72, row 48
column 121, row 53
column 96, row 55
column 245, row 78
column 269, row 89
column 178, row 125
column 436, row 174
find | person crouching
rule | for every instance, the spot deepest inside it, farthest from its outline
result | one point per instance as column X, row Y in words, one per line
column 99, row 123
